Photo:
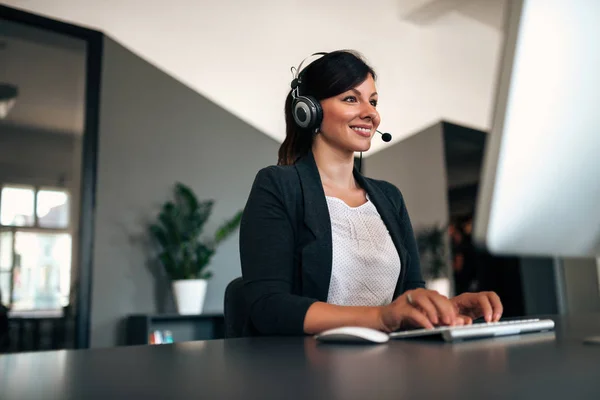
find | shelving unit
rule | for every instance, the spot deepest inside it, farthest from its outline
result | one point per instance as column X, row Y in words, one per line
column 183, row 328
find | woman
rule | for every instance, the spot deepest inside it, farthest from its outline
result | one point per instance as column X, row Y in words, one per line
column 323, row 246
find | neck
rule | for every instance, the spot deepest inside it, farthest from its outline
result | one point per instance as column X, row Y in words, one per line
column 335, row 166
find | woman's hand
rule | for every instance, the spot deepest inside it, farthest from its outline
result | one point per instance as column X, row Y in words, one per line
column 419, row 308
column 471, row 306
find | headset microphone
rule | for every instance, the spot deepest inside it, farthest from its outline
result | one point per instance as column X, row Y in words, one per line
column 386, row 137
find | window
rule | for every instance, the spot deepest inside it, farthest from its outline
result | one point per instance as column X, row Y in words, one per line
column 52, row 209
column 16, row 206
column 35, row 247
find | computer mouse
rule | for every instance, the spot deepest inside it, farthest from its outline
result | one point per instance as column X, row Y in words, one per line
column 352, row 334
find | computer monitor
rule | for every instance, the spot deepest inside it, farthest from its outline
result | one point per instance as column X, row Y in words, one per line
column 540, row 185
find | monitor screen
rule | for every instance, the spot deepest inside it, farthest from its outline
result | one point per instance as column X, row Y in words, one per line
column 540, row 184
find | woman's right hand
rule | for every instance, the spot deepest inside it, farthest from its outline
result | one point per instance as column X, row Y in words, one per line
column 419, row 308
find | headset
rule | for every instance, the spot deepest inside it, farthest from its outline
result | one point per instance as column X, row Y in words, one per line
column 306, row 110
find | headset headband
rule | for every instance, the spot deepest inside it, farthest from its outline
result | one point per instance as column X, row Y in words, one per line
column 296, row 81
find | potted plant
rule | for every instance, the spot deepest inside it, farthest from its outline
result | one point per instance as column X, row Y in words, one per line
column 183, row 255
column 434, row 258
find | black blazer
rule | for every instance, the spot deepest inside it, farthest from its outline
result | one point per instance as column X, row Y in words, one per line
column 286, row 244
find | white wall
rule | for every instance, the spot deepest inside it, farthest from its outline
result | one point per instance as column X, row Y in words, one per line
column 154, row 131
column 232, row 51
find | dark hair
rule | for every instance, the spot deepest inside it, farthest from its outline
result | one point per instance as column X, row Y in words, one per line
column 330, row 75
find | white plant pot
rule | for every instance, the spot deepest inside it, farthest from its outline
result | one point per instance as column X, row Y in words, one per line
column 441, row 285
column 189, row 295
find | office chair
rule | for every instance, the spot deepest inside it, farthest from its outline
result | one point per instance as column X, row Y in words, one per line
column 234, row 309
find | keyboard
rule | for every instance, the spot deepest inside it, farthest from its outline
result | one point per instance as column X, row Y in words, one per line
column 479, row 330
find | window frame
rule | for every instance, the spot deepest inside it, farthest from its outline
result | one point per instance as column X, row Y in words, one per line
column 87, row 194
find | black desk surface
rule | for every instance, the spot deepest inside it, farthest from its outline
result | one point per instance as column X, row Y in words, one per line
column 537, row 366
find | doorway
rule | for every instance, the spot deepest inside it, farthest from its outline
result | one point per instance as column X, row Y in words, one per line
column 49, row 84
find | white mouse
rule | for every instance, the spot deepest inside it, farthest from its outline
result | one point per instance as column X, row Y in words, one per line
column 353, row 334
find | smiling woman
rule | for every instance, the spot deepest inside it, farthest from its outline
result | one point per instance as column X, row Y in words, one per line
column 338, row 84
column 351, row 117
column 323, row 246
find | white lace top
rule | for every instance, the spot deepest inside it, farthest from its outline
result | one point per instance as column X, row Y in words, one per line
column 366, row 264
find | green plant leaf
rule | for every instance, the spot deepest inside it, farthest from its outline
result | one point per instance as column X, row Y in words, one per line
column 432, row 251
column 228, row 227
column 160, row 235
column 193, row 213
column 206, row 275
column 169, row 265
column 185, row 197
column 168, row 219
column 177, row 232
column 203, row 256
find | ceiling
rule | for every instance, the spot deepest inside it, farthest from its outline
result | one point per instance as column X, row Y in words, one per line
column 49, row 71
column 436, row 59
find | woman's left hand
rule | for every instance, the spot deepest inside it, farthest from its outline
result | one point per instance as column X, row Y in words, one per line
column 471, row 306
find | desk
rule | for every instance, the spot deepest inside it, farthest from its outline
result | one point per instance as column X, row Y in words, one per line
column 538, row 366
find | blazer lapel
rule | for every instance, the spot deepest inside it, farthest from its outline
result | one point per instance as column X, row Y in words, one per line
column 317, row 254
column 391, row 219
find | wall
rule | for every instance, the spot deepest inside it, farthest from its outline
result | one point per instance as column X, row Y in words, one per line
column 581, row 285
column 155, row 131
column 445, row 68
column 36, row 157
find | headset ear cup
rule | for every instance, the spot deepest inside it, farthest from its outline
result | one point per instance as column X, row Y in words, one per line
column 318, row 115
column 307, row 112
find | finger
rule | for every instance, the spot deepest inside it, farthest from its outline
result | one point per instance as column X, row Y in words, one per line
column 417, row 318
column 485, row 307
column 466, row 320
column 471, row 309
column 444, row 307
column 427, row 307
column 497, row 307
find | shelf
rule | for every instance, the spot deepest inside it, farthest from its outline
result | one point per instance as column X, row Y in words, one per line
column 183, row 328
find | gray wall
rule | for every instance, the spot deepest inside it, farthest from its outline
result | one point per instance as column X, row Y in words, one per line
column 541, row 291
column 155, row 131
column 31, row 156
column 416, row 166
column 581, row 285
